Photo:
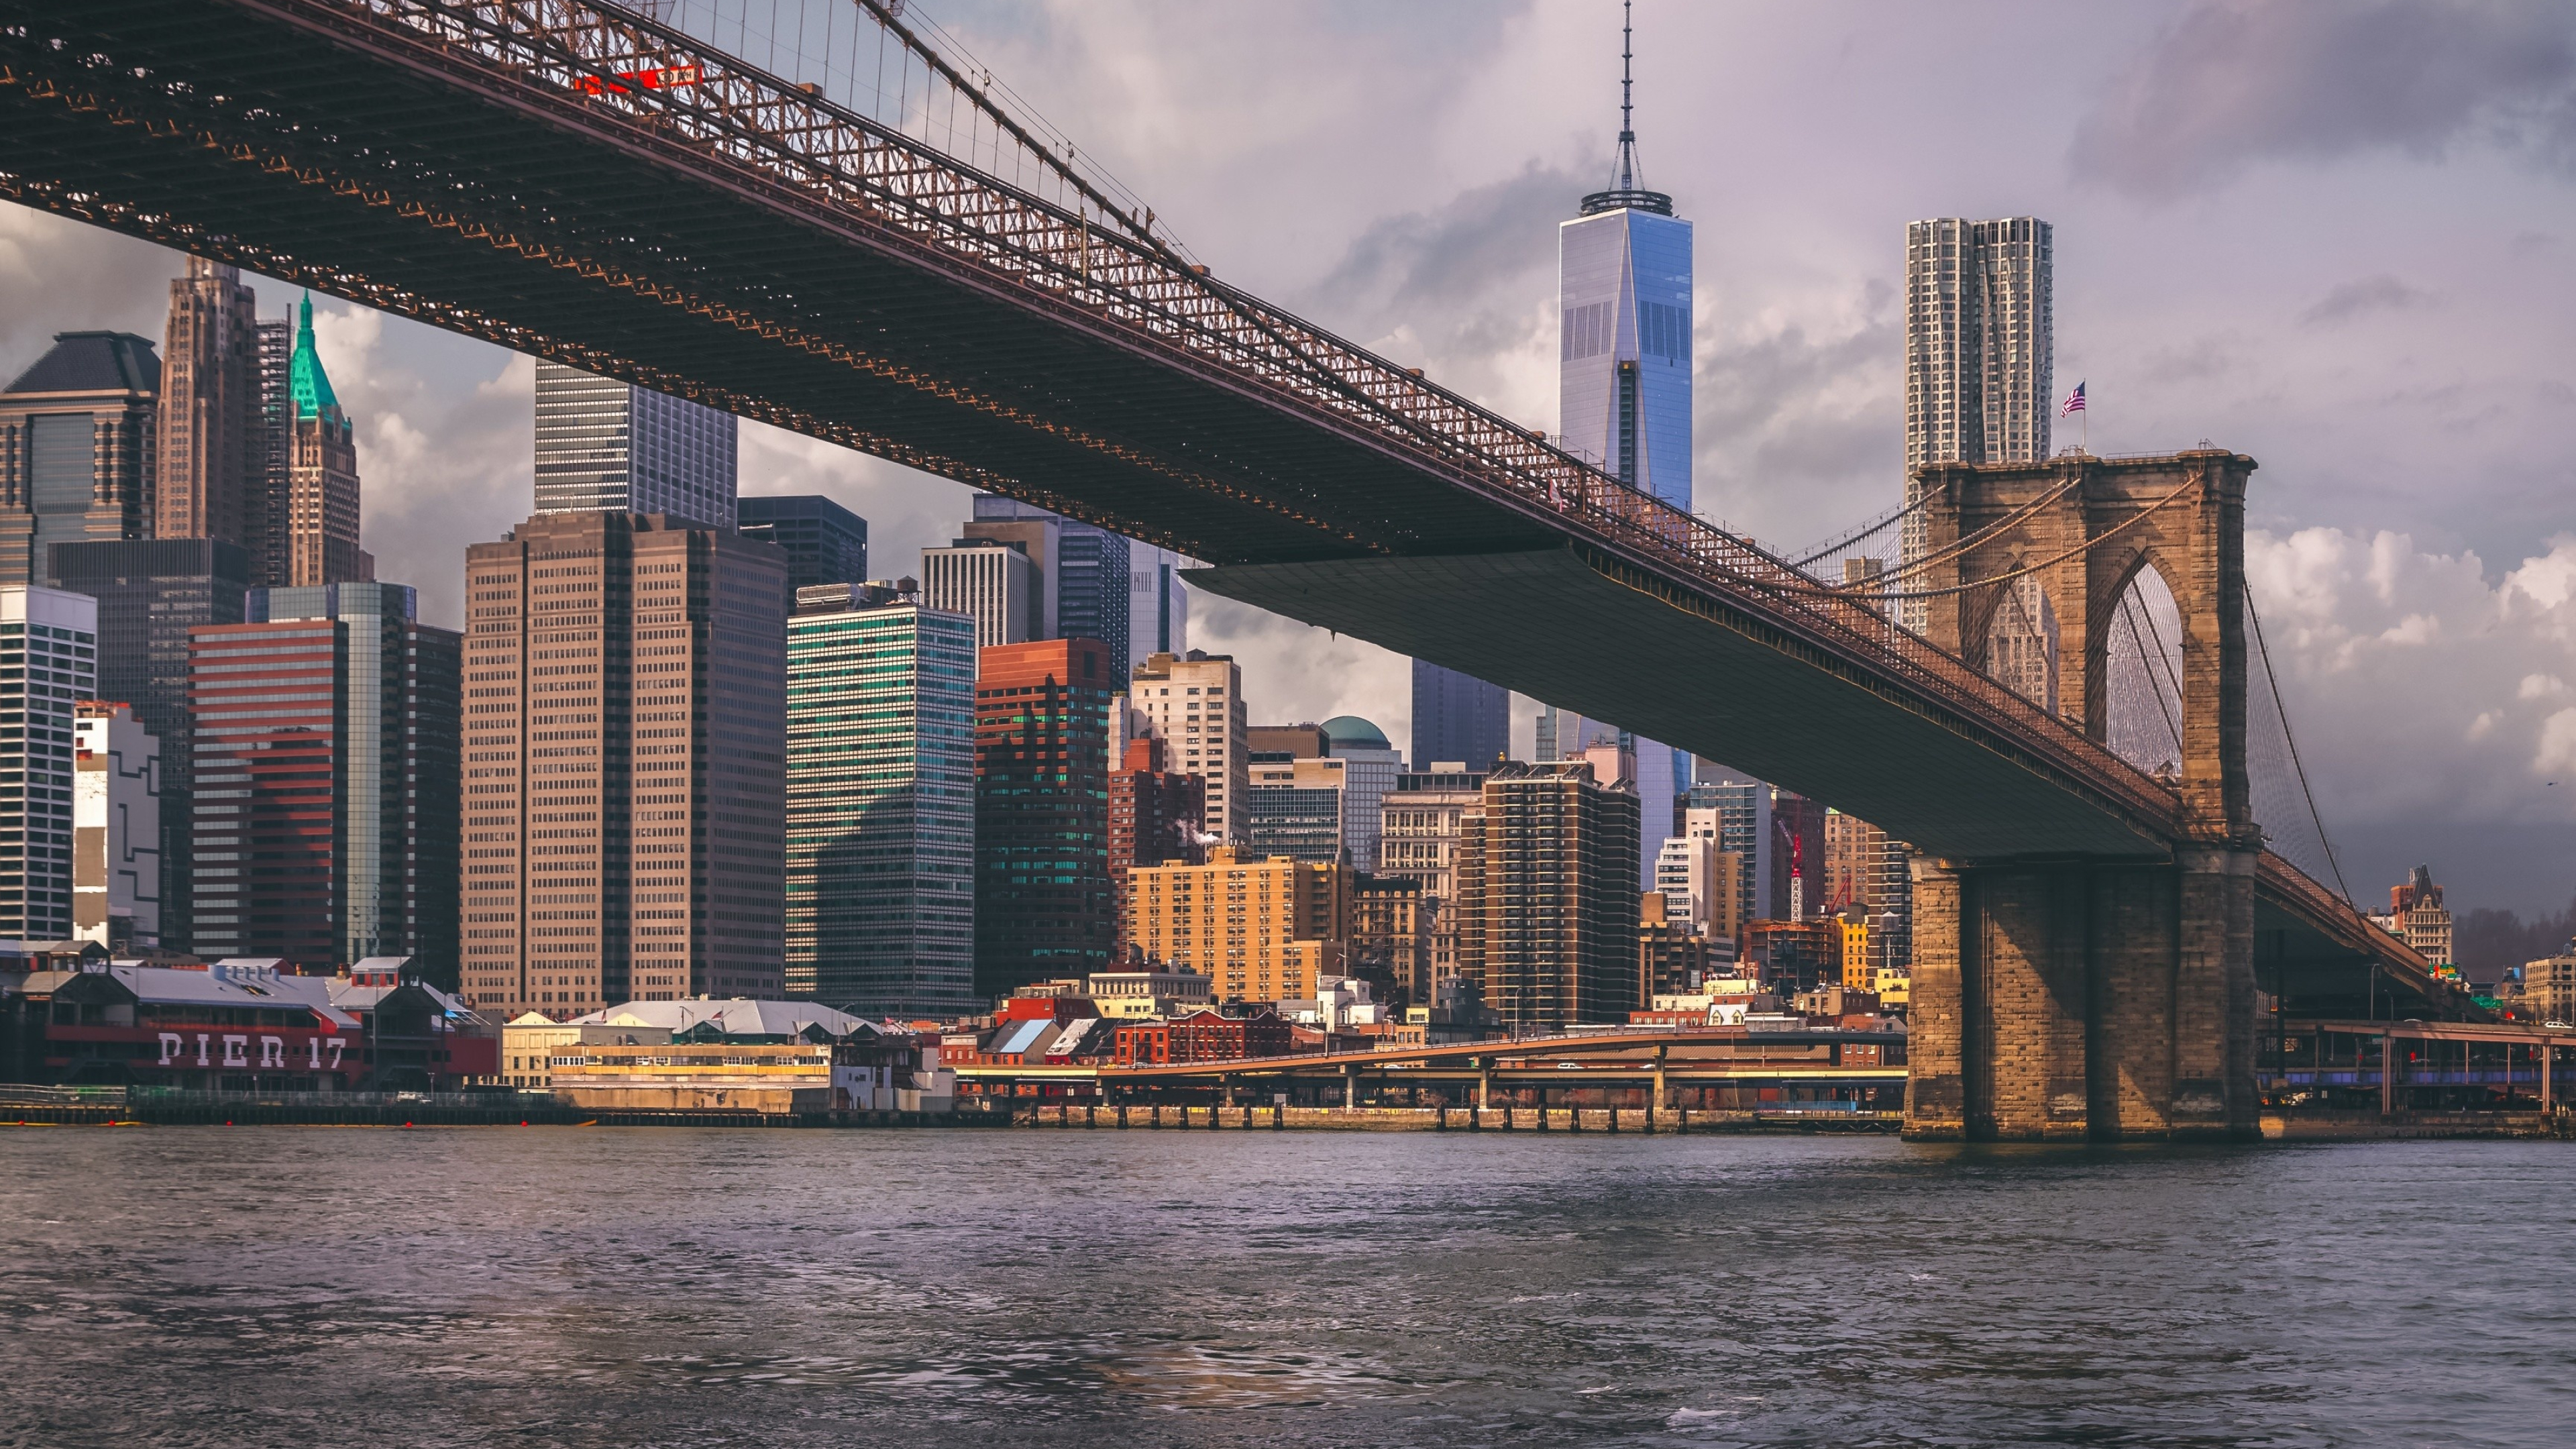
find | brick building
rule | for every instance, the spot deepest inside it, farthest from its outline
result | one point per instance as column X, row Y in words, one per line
column 1154, row 816
column 1201, row 1036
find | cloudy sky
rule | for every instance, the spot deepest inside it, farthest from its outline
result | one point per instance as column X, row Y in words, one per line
column 2338, row 236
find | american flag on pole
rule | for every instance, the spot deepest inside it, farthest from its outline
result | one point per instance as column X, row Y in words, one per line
column 2074, row 402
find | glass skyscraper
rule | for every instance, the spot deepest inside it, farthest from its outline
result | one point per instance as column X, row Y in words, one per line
column 1624, row 382
column 606, row 446
column 880, row 804
column 326, row 777
column 825, row 543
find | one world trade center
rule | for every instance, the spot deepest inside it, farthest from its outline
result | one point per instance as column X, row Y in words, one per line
column 1624, row 398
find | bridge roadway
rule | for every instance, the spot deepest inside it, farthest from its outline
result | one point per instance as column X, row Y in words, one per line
column 481, row 166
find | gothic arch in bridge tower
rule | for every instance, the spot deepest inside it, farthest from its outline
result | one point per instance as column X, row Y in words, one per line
column 2077, row 532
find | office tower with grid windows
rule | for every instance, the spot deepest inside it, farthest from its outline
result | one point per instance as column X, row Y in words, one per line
column 880, row 804
column 606, row 446
column 1154, row 817
column 986, row 580
column 1194, row 703
column 78, row 447
column 48, row 664
column 325, row 767
column 825, row 543
column 625, row 784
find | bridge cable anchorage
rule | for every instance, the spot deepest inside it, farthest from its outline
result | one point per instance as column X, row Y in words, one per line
column 1861, row 590
column 2282, row 711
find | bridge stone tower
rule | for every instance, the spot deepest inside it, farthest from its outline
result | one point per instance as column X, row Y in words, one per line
column 2112, row 997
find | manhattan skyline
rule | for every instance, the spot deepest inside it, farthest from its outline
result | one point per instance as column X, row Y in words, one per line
column 2388, row 364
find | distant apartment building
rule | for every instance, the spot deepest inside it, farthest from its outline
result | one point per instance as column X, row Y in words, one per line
column 1673, row 956
column 1263, row 929
column 48, row 664
column 1296, row 807
column 79, row 443
column 605, row 446
column 151, row 594
column 2549, row 987
column 1194, row 702
column 1700, row 885
column 1551, row 882
column 824, row 542
column 989, row 582
column 1736, row 812
column 325, row 752
column 880, row 804
column 1421, row 823
column 1392, row 918
column 1979, row 348
column 116, row 829
column 2420, row 919
column 1041, row 813
column 1154, row 815
column 625, row 789
column 1458, row 717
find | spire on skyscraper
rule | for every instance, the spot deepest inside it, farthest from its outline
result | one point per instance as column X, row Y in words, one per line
column 310, row 386
column 1624, row 190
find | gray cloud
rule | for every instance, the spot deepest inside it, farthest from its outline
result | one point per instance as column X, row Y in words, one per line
column 2381, row 293
column 2235, row 82
column 1458, row 251
column 1796, row 423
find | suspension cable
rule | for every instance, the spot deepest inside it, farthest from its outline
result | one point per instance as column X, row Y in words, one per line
column 2282, row 712
column 2129, row 615
column 2108, row 534
column 1959, row 546
column 1869, row 529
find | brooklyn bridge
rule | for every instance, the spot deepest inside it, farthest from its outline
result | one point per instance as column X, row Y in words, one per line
column 2097, row 949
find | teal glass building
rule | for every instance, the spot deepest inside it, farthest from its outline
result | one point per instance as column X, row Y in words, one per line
column 880, row 804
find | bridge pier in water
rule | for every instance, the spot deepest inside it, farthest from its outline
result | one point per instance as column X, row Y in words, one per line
column 2096, row 998
column 2084, row 1000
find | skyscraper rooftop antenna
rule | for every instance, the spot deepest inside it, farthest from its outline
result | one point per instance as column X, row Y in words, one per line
column 1624, row 191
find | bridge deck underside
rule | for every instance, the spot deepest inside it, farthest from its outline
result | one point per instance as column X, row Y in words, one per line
column 575, row 233
column 429, row 184
column 1549, row 625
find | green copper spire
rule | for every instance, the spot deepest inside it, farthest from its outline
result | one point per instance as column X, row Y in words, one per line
column 305, row 378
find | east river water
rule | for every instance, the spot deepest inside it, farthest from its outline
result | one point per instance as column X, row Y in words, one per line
column 541, row 1286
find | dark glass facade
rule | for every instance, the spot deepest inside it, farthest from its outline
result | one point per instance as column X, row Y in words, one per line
column 1041, row 813
column 1458, row 718
column 326, row 817
column 825, row 543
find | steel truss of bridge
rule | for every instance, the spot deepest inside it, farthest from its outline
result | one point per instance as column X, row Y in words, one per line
column 491, row 167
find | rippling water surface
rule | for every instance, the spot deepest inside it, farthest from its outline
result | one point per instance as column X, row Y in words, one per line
column 672, row 1287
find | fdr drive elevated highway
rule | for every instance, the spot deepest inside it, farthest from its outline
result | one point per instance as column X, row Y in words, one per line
column 579, row 182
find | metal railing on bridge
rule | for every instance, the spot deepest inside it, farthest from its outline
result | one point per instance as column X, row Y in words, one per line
column 1102, row 268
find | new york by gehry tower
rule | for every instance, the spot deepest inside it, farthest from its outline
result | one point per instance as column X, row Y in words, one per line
column 1624, row 378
